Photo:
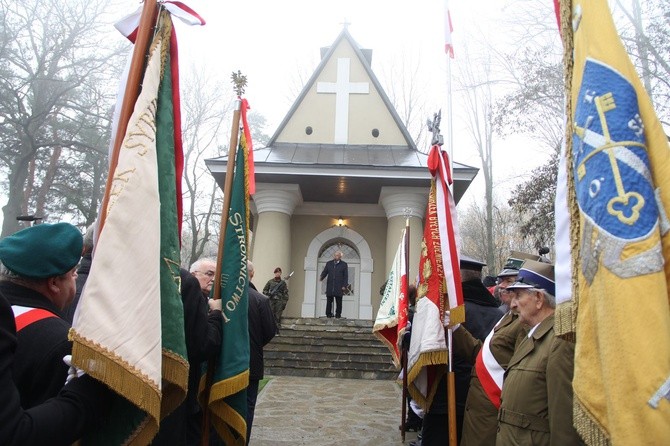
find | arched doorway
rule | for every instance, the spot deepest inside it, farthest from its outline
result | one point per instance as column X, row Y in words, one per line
column 357, row 254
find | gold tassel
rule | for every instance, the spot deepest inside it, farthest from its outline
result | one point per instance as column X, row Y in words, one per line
column 587, row 427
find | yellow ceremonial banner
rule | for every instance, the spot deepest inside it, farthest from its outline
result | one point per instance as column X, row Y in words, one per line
column 620, row 161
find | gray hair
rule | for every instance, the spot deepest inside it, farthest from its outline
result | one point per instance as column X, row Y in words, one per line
column 89, row 238
column 549, row 299
column 198, row 263
column 250, row 267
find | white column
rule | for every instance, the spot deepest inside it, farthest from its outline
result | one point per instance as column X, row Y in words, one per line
column 397, row 202
column 275, row 204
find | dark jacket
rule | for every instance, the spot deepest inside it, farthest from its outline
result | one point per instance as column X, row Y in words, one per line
column 338, row 277
column 262, row 328
column 60, row 420
column 203, row 332
column 39, row 370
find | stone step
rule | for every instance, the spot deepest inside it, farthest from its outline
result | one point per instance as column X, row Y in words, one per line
column 328, row 347
column 280, row 345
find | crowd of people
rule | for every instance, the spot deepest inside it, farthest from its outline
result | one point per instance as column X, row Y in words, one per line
column 45, row 399
column 513, row 377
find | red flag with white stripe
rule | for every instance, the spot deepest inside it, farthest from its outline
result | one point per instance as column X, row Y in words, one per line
column 448, row 29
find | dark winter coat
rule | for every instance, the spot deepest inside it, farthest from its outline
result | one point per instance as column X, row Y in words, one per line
column 60, row 420
column 39, row 370
column 338, row 277
column 203, row 332
column 262, row 328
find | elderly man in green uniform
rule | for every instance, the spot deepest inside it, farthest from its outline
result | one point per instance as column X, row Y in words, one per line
column 536, row 403
column 277, row 290
column 490, row 359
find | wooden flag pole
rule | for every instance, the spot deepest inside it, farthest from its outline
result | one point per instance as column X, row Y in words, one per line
column 451, row 393
column 240, row 83
column 404, row 350
column 132, row 92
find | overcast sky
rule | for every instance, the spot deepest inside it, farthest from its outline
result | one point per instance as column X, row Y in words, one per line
column 276, row 44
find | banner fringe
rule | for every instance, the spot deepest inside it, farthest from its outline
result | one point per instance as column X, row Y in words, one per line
column 175, row 381
column 222, row 411
column 123, row 378
column 587, row 427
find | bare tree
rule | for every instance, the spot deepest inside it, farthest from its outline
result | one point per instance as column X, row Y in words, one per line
column 506, row 228
column 55, row 116
column 477, row 107
column 206, row 105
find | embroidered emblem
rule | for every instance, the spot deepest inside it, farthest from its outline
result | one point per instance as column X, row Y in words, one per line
column 612, row 177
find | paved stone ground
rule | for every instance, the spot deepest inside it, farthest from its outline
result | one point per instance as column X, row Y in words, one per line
column 325, row 411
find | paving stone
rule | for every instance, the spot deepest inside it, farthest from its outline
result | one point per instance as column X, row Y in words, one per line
column 328, row 411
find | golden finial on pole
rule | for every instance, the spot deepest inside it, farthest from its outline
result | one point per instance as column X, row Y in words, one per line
column 239, row 81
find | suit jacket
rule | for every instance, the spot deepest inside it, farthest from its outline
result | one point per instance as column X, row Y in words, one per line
column 536, row 406
column 480, row 422
column 338, row 277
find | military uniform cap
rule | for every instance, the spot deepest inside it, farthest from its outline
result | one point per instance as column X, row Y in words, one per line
column 470, row 263
column 516, row 259
column 534, row 274
column 41, row 251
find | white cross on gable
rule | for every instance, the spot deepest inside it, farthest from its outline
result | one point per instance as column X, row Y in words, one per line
column 342, row 89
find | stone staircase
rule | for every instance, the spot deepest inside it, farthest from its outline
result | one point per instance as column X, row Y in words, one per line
column 328, row 348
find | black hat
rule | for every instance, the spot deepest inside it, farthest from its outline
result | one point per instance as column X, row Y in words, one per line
column 277, row 270
column 470, row 263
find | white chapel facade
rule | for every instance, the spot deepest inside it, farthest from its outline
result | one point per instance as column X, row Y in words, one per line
column 340, row 173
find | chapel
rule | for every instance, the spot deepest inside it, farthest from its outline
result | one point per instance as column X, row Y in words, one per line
column 341, row 172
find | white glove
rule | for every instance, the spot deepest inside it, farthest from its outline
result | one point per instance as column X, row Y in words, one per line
column 72, row 372
column 446, row 321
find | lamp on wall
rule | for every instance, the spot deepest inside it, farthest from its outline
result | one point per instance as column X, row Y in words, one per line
column 340, row 222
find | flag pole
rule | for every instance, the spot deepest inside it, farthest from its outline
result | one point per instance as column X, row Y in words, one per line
column 450, row 127
column 451, row 392
column 132, row 92
column 404, row 349
column 216, row 289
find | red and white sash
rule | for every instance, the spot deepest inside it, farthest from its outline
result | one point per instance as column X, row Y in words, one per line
column 24, row 316
column 489, row 372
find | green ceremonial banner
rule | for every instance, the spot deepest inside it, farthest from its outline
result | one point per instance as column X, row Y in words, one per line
column 175, row 362
column 228, row 397
column 131, row 332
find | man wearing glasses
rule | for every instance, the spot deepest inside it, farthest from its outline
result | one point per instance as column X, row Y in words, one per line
column 204, row 270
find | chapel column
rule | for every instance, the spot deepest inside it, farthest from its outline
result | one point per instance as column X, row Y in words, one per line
column 275, row 204
column 397, row 201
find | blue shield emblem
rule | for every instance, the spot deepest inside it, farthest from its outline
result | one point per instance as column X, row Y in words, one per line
column 611, row 166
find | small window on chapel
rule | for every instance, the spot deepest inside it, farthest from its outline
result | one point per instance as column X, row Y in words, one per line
column 375, row 132
column 308, row 130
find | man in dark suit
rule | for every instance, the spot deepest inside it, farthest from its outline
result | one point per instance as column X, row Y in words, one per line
column 337, row 272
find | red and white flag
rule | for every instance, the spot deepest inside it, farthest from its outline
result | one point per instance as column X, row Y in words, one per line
column 448, row 29
column 391, row 321
column 439, row 275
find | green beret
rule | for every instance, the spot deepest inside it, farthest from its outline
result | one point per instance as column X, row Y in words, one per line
column 42, row 251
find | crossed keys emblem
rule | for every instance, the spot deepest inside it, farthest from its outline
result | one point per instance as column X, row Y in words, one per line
column 626, row 205
column 613, row 181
